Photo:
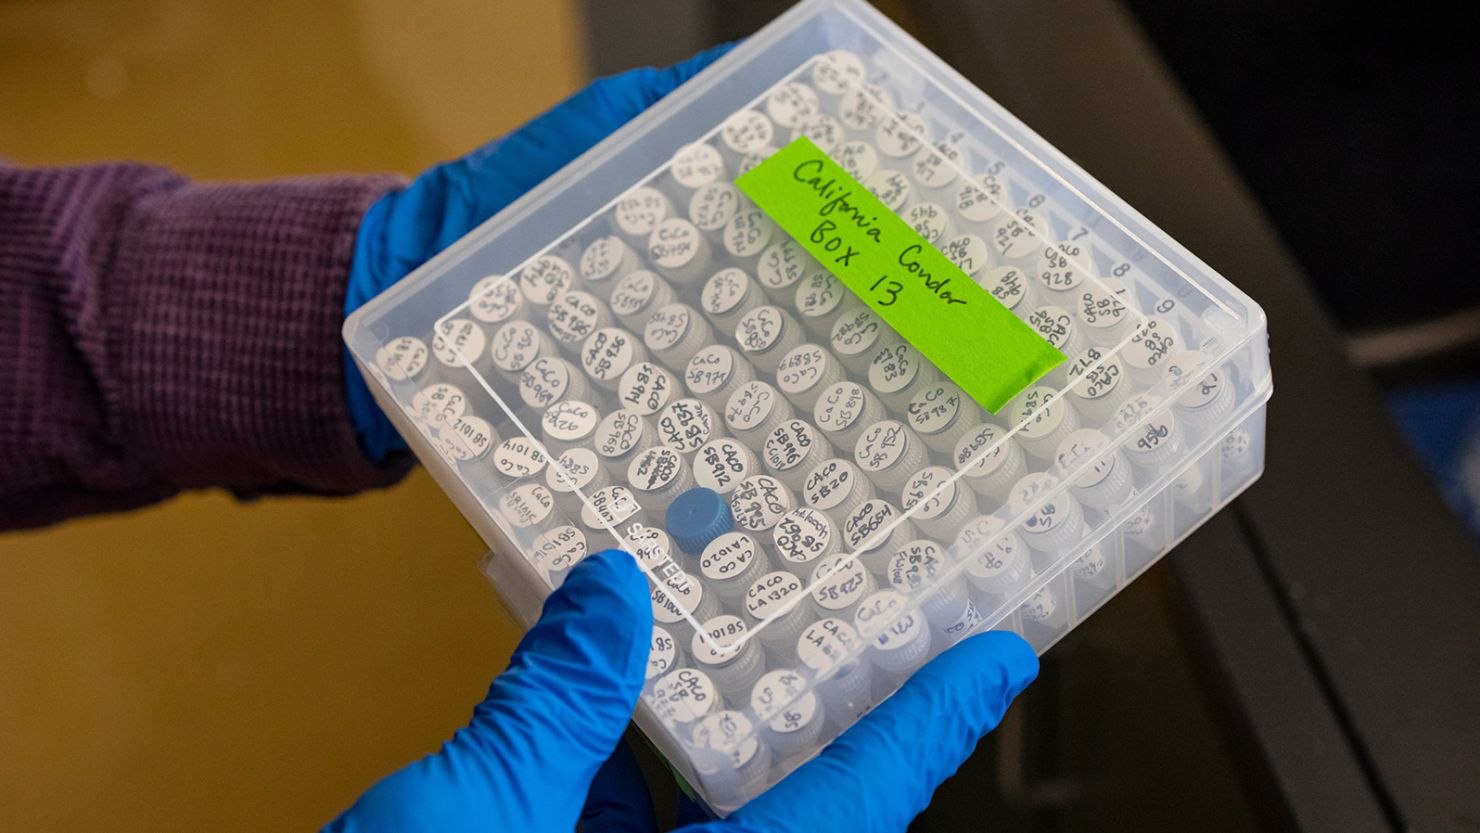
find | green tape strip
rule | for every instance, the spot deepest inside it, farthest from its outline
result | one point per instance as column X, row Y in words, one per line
column 978, row 343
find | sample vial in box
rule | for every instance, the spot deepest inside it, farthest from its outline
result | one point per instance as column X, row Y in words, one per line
column 637, row 334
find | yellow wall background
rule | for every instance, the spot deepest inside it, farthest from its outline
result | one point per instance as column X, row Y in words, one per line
column 205, row 664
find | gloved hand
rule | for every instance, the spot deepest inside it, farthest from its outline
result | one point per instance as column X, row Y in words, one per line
column 405, row 228
column 525, row 763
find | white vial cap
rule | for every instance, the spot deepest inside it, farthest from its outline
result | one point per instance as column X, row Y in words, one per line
column 937, row 165
column 1097, row 383
column 1019, row 235
column 755, row 410
column 1106, row 479
column 859, row 159
column 696, row 165
column 1045, row 419
column 789, row 103
column 836, row 487
column 722, row 463
column 731, row 732
column 804, row 535
column 767, row 333
column 683, row 696
column 890, row 186
column 516, row 345
column 403, row 358
column 818, row 296
column 686, row 424
column 805, row 372
column 556, row 551
column 466, row 439
column 997, row 560
column 759, row 502
column 1052, row 521
column 550, row 379
column 578, row 468
column 679, row 596
column 747, row 131
column 782, row 264
column 1101, row 307
column 1154, row 437
column 993, row 460
column 968, row 252
column 839, row 582
column 610, row 507
column 621, row 434
column 576, row 315
column 864, row 106
column 1062, row 268
column 662, row 653
column 1153, row 342
column 837, row 71
column 728, row 295
column 777, row 593
column 496, row 299
column 901, row 135
column 748, row 233
column 854, row 336
column 940, row 503
column 875, row 528
column 716, row 373
column 825, row 131
column 659, row 474
column 526, row 506
column 545, row 279
column 607, row 353
column 569, row 423
column 1057, row 327
column 712, row 207
column 929, row 220
column 897, row 372
column 729, row 558
column 792, row 450
column 646, row 388
column 679, row 250
column 980, row 200
column 1008, row 284
column 637, row 294
column 844, row 410
column 940, row 413
column 899, row 640
column 713, row 643
column 888, row 452
column 605, row 261
column 441, row 402
column 640, row 210
column 518, row 457
column 652, row 547
column 675, row 333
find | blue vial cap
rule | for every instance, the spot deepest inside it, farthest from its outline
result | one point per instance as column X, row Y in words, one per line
column 697, row 517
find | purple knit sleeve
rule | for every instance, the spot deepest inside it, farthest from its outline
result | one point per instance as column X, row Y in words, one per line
column 158, row 334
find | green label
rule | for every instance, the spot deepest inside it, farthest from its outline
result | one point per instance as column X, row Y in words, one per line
column 978, row 343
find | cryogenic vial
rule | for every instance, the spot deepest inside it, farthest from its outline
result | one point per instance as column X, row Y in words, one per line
column 838, row 71
column 897, row 372
column 685, row 424
column 652, row 547
column 942, row 415
column 838, row 583
column 731, row 563
column 604, row 262
column 1046, row 420
column 1107, row 481
column 750, row 160
column 789, row 103
column 636, row 295
column 646, row 388
column 722, row 463
column 891, row 187
column 1019, row 236
column 968, row 252
column 859, row 159
column 1097, row 385
column 680, row 251
column 997, row 561
column 576, row 472
column 611, row 506
column 854, row 336
column 495, row 300
column 1141, row 531
column 1042, row 611
column 944, row 504
column 749, row 759
column 727, row 296
column 518, row 457
column 466, row 439
column 1106, row 318
column 621, row 436
column 551, row 379
column 901, row 135
column 696, row 518
column 1094, row 568
column 658, row 475
column 1053, row 520
column 1061, row 271
column 917, row 566
column 747, row 131
column 1008, row 284
column 712, row 207
column 993, row 461
column 696, row 165
column 1206, row 395
column 1058, row 328
column 675, row 333
column 662, row 653
column 716, row 373
column 936, row 166
column 556, row 551
column 836, row 487
column 844, row 410
column 1155, row 439
column 754, row 411
column 929, row 220
column 779, row 594
column 1153, row 342
column 767, row 333
column 679, row 596
column 864, row 106
column 781, row 265
column 574, row 316
column 843, row 684
column 805, row 372
column 640, row 210
column 874, row 530
column 516, row 345
column 888, row 453
column 459, row 342
column 825, row 131
column 980, row 200
column 804, row 535
column 718, row 651
column 607, row 353
column 438, row 403
column 528, row 505
column 759, row 502
column 793, row 716
column 546, row 278
column 818, row 298
column 794, row 448
column 748, row 233
column 683, row 696
column 1234, row 448
column 898, row 641
column 568, row 424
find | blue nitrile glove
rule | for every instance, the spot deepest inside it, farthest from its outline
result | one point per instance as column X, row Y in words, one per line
column 526, row 762
column 405, row 228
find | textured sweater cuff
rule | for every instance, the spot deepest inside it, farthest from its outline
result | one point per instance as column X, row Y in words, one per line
column 223, row 314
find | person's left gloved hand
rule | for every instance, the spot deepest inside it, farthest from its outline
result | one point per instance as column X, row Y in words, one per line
column 526, row 762
column 406, row 228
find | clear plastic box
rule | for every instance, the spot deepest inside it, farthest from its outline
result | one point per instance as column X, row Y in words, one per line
column 618, row 317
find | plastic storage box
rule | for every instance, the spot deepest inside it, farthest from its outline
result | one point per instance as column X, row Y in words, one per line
column 635, row 329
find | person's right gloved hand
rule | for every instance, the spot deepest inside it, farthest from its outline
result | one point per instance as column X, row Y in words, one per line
column 547, row 736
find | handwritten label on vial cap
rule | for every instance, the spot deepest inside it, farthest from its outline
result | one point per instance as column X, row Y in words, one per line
column 937, row 165
column 780, row 700
column 877, row 612
column 932, row 489
column 837, row 71
column 609, row 506
column 1040, row 605
column 545, row 278
column 1055, row 324
column 713, row 642
column 727, row 556
column 575, row 469
column 929, row 220
column 640, row 210
column 926, row 298
column 574, row 316
column 979, row 200
column 608, row 352
column 773, row 593
column 819, row 294
column 1086, row 446
column 839, row 581
column 697, row 164
column 1153, row 342
column 404, row 358
column 674, row 243
column 760, row 329
column 1059, row 266
column 518, row 457
column 1032, row 494
column 826, row 643
column 802, row 535
column 1020, row 234
column 685, row 424
column 840, row 407
column 712, row 206
column 982, row 450
column 865, row 105
column 618, row 433
column 789, row 103
column 646, row 388
column 495, row 299
column 890, row 187
column 750, row 406
column 916, row 564
column 652, row 547
column 1102, row 374
column 570, row 420
column 870, row 525
column 789, row 445
column 1039, row 411
column 515, row 345
column 634, row 292
column 748, row 232
column 1007, row 284
column 662, row 652
column 725, row 291
column 684, row 696
column 559, row 549
column 721, row 464
column 823, row 130
column 600, row 260
column 730, row 732
column 803, row 369
column 968, row 252
column 668, row 326
column 934, row 409
column 759, row 502
column 747, row 131
column 527, row 505
column 655, row 469
column 1196, row 386
column 999, row 548
column 1236, row 444
column 1100, row 309
column 1091, row 564
column 830, row 484
column 442, row 402
column 710, row 369
column 675, row 598
column 544, row 381
column 882, row 445
column 859, row 159
column 901, row 135
column 782, row 264
column 893, row 368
